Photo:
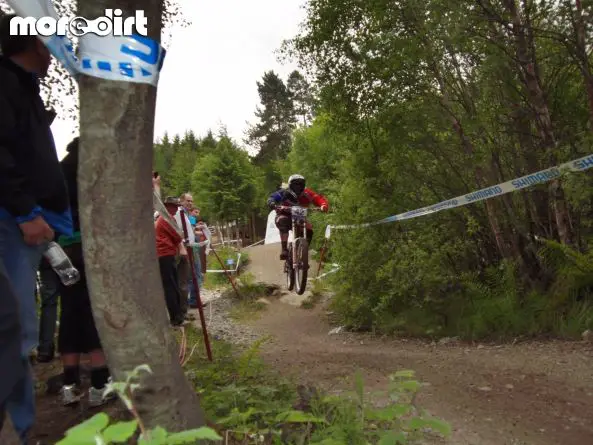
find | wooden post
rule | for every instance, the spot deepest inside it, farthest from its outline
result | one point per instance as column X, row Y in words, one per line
column 192, row 264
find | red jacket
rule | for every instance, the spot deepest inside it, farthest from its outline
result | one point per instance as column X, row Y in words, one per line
column 167, row 238
column 308, row 197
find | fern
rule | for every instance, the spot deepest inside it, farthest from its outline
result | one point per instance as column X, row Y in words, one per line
column 248, row 361
column 573, row 270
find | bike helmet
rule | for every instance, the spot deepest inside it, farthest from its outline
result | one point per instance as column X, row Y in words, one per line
column 296, row 184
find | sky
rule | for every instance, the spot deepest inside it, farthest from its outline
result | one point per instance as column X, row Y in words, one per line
column 211, row 67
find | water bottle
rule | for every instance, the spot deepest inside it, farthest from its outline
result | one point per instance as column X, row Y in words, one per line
column 61, row 264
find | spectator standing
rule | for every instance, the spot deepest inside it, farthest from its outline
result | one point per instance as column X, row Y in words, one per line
column 193, row 216
column 78, row 333
column 33, row 195
column 167, row 246
column 205, row 234
column 156, row 186
column 186, row 200
column 193, row 297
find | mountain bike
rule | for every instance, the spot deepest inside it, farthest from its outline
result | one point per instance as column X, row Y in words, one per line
column 296, row 265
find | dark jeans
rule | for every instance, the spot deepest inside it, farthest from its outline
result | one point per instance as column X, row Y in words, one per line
column 20, row 265
column 184, row 274
column 11, row 370
column 50, row 285
column 203, row 260
column 171, row 287
column 193, row 296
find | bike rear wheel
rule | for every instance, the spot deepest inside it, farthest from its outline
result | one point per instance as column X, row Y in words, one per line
column 302, row 266
column 289, row 270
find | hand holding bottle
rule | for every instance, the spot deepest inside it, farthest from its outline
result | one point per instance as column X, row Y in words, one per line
column 36, row 231
column 61, row 264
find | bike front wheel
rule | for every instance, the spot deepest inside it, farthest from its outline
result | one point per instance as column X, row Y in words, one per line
column 289, row 270
column 302, row 266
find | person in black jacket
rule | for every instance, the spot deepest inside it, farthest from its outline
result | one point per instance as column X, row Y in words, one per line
column 78, row 334
column 33, row 197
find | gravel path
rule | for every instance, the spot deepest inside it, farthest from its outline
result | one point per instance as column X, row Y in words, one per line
column 219, row 323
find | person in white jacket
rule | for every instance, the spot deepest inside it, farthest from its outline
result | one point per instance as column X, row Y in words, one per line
column 183, row 268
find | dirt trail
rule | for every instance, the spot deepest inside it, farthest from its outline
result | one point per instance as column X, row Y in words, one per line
column 527, row 394
column 265, row 264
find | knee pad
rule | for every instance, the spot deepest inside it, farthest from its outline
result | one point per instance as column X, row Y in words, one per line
column 283, row 223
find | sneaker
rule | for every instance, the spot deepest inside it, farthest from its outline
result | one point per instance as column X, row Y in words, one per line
column 284, row 254
column 70, row 395
column 45, row 357
column 96, row 397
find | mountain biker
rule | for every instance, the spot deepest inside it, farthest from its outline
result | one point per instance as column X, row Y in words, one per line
column 296, row 193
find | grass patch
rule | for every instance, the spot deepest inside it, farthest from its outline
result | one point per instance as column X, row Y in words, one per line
column 215, row 281
column 246, row 400
column 318, row 289
column 247, row 307
column 247, row 310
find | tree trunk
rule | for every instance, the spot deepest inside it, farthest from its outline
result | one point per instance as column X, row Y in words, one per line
column 579, row 27
column 469, row 150
column 529, row 76
column 253, row 230
column 117, row 126
column 536, row 201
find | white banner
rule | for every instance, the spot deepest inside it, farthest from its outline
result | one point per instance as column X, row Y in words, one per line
column 272, row 232
column 540, row 177
column 134, row 58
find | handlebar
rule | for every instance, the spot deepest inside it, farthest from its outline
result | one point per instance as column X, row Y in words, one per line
column 287, row 208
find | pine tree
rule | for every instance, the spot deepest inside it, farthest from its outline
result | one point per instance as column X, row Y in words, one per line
column 302, row 97
column 273, row 133
column 209, row 142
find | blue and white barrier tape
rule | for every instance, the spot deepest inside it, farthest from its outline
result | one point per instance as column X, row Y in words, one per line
column 540, row 177
column 135, row 58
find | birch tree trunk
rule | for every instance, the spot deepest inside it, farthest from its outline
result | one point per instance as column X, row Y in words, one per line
column 116, row 129
column 527, row 60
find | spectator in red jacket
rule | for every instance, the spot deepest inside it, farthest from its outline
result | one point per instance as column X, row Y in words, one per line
column 167, row 246
column 295, row 194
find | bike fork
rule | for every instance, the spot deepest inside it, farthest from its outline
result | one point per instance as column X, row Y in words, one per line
column 294, row 255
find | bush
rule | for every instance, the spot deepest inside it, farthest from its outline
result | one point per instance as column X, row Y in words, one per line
column 423, row 290
column 214, row 280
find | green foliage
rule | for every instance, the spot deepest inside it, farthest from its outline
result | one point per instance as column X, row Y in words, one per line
column 402, row 107
column 318, row 288
column 271, row 135
column 249, row 401
column 175, row 160
column 414, row 109
column 353, row 418
column 224, row 182
column 248, row 306
column 217, row 280
column 301, row 93
column 99, row 430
